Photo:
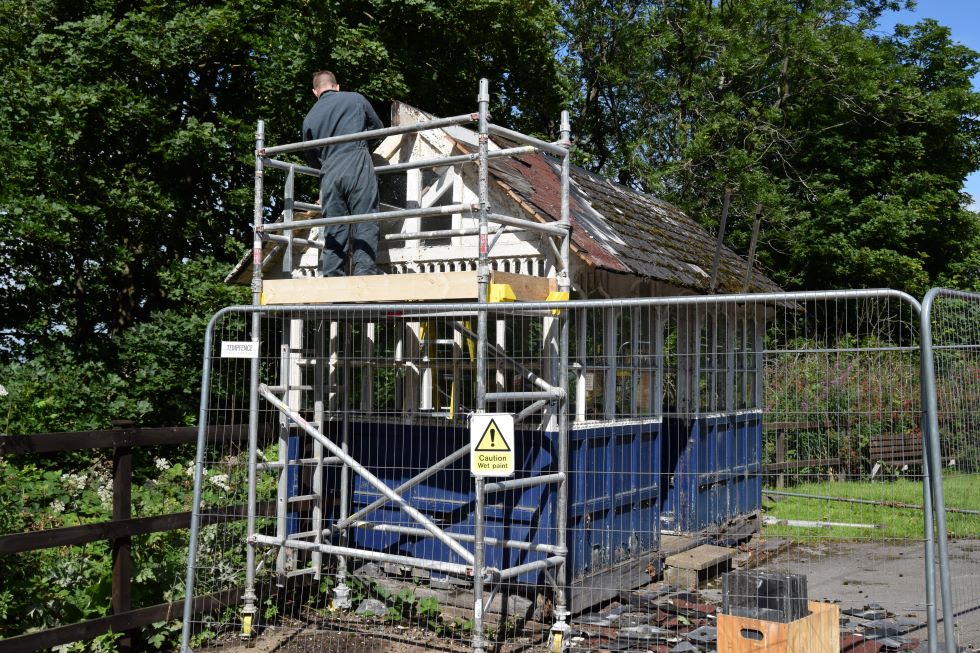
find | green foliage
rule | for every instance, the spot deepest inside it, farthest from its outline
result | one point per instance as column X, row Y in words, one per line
column 149, row 373
column 857, row 144
column 839, row 398
column 64, row 585
column 404, row 607
column 56, row 392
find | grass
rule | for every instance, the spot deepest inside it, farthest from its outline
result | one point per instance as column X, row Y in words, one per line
column 961, row 490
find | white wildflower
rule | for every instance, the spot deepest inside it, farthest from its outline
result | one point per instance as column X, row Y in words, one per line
column 74, row 483
column 220, row 480
column 162, row 464
column 190, row 469
column 105, row 494
column 3, row 391
column 57, row 506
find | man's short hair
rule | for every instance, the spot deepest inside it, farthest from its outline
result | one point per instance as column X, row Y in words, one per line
column 324, row 78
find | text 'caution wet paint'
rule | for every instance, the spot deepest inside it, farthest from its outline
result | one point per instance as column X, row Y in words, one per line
column 492, row 444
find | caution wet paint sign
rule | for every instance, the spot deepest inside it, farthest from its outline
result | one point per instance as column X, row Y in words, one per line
column 492, row 444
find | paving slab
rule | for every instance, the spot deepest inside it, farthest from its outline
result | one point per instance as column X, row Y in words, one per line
column 701, row 557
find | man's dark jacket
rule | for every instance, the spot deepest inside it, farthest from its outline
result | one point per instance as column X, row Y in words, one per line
column 337, row 113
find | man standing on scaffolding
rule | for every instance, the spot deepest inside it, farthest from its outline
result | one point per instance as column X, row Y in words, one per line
column 348, row 185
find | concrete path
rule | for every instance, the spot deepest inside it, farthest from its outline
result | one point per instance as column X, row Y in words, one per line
column 893, row 575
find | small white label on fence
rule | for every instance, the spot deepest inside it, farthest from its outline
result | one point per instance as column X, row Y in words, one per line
column 492, row 444
column 243, row 349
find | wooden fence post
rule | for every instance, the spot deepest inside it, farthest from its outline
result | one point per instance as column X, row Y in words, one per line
column 122, row 508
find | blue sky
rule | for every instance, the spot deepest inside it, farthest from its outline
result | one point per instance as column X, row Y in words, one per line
column 963, row 19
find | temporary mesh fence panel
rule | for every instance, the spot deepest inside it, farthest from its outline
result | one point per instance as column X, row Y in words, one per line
column 393, row 389
column 778, row 436
column 954, row 321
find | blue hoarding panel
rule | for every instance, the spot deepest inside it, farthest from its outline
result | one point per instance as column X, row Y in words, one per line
column 711, row 468
column 292, row 482
column 613, row 512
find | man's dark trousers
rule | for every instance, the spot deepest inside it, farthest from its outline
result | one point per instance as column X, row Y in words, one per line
column 350, row 189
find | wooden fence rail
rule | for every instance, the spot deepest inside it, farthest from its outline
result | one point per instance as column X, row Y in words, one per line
column 781, row 464
column 122, row 439
column 890, row 449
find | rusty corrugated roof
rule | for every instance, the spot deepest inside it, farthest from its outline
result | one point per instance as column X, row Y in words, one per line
column 619, row 229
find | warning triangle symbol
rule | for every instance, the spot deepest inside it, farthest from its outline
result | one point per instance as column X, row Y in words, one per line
column 492, row 439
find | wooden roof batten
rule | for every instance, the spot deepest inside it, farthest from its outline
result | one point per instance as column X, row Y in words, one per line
column 417, row 286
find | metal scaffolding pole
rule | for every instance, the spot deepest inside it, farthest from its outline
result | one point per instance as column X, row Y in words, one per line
column 319, row 419
column 391, row 168
column 460, row 537
column 561, row 630
column 460, row 453
column 483, row 278
column 250, row 607
column 421, row 563
column 361, row 217
column 368, row 135
column 287, row 218
column 558, row 149
column 341, row 593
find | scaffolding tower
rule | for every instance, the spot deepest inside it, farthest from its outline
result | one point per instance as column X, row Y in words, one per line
column 313, row 420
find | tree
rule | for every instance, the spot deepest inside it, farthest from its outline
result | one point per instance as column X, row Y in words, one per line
column 128, row 129
column 856, row 144
column 150, row 374
column 886, row 176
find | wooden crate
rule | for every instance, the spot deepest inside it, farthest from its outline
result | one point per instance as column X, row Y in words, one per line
column 817, row 633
